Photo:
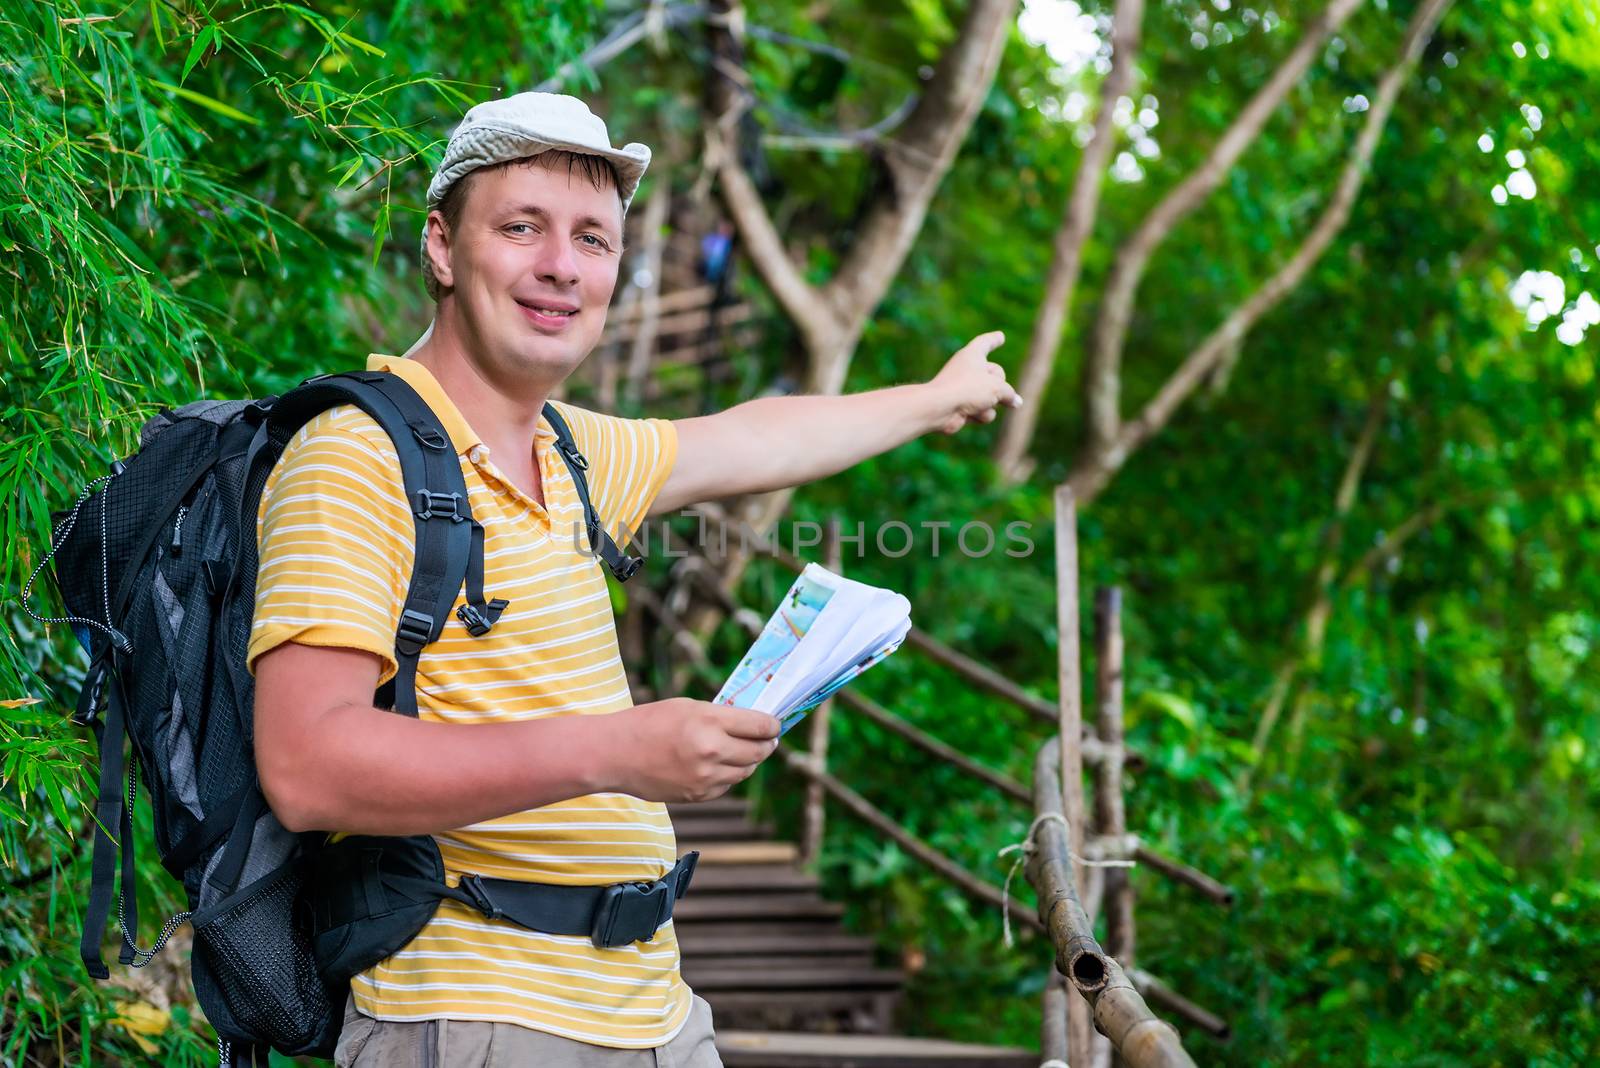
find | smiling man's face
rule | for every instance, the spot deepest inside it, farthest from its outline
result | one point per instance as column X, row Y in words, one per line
column 530, row 266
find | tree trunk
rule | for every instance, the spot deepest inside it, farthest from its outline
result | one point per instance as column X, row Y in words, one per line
column 1016, row 434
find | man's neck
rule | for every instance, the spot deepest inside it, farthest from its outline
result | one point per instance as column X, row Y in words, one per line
column 505, row 414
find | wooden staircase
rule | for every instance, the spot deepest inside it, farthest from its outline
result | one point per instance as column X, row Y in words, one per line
column 788, row 985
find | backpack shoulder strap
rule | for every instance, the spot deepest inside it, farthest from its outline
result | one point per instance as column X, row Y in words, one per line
column 621, row 565
column 449, row 540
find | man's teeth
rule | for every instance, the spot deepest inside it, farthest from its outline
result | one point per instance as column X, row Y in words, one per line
column 550, row 311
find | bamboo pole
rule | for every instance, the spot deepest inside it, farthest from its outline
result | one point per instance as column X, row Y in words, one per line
column 642, row 342
column 921, row 851
column 985, row 678
column 816, row 797
column 1140, row 1038
column 1080, row 1033
column 1111, row 816
column 1160, row 993
column 1053, row 1020
column 929, row 744
column 1183, row 873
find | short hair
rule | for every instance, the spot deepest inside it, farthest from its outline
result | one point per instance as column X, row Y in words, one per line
column 595, row 168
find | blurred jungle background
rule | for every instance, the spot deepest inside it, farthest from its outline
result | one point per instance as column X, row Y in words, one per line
column 1302, row 299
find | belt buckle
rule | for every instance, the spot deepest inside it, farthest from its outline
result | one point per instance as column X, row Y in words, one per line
column 629, row 913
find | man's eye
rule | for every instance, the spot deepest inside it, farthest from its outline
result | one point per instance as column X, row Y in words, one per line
column 598, row 243
column 519, row 227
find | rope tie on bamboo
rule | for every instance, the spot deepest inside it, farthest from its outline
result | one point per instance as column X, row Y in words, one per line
column 1023, row 850
column 1054, row 1062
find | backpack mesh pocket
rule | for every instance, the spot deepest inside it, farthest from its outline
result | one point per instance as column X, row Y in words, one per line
column 254, row 945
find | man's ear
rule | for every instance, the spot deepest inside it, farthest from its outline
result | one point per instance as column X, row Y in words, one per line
column 439, row 249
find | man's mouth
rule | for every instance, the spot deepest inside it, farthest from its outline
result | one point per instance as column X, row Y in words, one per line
column 549, row 316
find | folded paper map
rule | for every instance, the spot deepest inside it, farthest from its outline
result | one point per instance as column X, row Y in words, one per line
column 827, row 630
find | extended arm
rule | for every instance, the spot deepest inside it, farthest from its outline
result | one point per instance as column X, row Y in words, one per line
column 773, row 442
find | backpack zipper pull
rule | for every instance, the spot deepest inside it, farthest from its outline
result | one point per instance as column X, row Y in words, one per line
column 177, row 531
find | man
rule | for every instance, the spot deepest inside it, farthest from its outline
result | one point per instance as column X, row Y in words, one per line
column 528, row 760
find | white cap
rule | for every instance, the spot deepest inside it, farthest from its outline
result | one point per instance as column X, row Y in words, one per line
column 515, row 127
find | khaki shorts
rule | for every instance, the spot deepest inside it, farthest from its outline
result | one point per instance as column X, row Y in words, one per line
column 369, row 1043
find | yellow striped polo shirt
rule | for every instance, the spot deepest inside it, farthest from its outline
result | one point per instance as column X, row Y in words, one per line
column 337, row 543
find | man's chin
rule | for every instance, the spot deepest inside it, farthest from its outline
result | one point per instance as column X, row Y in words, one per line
column 550, row 359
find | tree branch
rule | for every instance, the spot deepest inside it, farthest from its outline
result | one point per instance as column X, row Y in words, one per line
column 1101, row 461
column 1017, row 431
column 916, row 159
column 725, row 101
column 1102, row 376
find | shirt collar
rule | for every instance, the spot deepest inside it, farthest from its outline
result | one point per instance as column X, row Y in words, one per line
column 419, row 378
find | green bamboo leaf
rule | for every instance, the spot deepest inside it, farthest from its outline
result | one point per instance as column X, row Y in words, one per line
column 202, row 40
column 370, row 49
column 350, row 171
column 209, row 103
column 380, row 231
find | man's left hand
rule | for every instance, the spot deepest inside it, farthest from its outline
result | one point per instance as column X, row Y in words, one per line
column 972, row 385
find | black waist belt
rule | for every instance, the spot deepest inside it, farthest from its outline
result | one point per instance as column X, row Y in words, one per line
column 615, row 915
column 368, row 896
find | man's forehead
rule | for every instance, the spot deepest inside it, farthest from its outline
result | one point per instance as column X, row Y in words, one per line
column 555, row 191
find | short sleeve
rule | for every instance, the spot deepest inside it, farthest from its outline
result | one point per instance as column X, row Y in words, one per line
column 336, row 541
column 629, row 461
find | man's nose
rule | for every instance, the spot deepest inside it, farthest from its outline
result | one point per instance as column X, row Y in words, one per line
column 557, row 261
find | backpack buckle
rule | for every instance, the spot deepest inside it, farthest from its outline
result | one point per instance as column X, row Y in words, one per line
column 631, row 912
column 473, row 886
column 430, row 505
column 416, row 629
column 479, row 621
column 627, row 567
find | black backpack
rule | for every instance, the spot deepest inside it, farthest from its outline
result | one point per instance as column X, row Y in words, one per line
column 156, row 565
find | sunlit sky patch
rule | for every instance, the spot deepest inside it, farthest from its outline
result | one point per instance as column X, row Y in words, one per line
column 1542, row 295
column 1063, row 29
column 1077, row 43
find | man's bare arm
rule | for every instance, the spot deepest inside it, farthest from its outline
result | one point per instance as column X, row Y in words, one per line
column 773, row 442
column 329, row 760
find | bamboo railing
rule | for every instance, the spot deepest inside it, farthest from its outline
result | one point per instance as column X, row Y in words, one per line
column 1115, row 995
column 1138, row 1036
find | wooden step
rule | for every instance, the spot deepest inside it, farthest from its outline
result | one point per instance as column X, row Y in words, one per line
column 717, row 940
column 782, row 975
column 737, row 1005
column 745, row 852
column 722, row 806
column 777, row 1049
column 697, row 906
column 778, row 960
column 751, row 878
column 794, row 927
column 720, row 829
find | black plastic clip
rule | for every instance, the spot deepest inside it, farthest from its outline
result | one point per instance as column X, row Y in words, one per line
column 430, row 436
column 472, row 886
column 574, row 457
column 430, row 505
column 478, row 623
column 631, row 912
column 416, row 630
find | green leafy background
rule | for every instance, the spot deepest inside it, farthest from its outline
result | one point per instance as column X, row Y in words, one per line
column 222, row 199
